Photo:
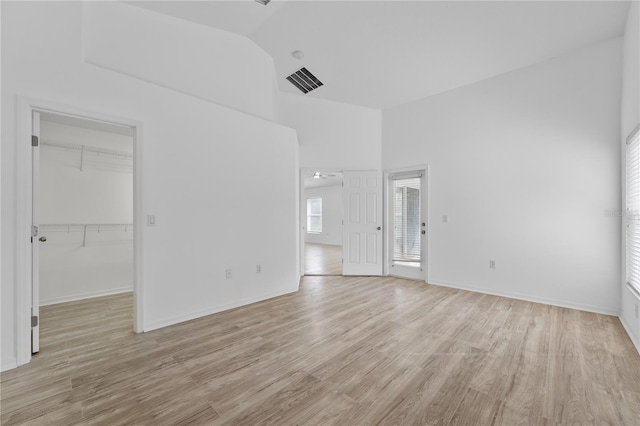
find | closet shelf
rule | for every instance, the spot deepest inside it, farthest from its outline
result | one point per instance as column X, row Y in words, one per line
column 123, row 155
column 84, row 227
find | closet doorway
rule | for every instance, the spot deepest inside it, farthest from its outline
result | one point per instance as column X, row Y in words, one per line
column 83, row 226
column 322, row 210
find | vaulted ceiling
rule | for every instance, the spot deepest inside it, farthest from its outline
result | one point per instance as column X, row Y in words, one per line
column 381, row 54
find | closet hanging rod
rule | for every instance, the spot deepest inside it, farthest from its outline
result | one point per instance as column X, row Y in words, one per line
column 84, row 227
column 87, row 148
column 64, row 225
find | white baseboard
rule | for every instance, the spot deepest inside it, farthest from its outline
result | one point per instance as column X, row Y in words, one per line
column 628, row 329
column 8, row 364
column 528, row 298
column 89, row 295
column 154, row 325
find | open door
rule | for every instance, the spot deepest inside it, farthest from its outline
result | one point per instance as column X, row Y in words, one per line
column 362, row 228
column 36, row 238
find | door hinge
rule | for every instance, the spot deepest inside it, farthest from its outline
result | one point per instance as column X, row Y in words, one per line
column 34, row 231
column 34, row 321
column 34, row 140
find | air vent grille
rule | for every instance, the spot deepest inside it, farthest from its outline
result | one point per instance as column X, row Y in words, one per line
column 304, row 80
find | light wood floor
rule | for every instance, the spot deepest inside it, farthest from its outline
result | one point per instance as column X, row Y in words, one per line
column 347, row 351
column 322, row 259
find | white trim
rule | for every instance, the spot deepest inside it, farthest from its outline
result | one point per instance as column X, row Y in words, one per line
column 23, row 224
column 83, row 296
column 633, row 290
column 633, row 134
column 628, row 329
column 635, row 339
column 24, row 108
column 154, row 325
column 527, row 298
column 303, row 212
column 302, row 223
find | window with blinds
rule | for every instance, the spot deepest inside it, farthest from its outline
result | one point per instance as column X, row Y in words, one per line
column 314, row 215
column 633, row 209
column 406, row 219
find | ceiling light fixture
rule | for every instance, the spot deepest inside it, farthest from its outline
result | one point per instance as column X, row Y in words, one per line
column 297, row 54
column 263, row 2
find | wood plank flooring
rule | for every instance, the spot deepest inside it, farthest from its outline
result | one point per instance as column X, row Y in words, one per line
column 341, row 351
column 322, row 259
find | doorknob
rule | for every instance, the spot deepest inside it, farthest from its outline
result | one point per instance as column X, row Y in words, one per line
column 379, row 228
column 42, row 239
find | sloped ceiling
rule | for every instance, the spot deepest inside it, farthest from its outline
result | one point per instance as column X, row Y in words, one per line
column 380, row 54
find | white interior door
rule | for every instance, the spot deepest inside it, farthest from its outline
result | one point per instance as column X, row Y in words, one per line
column 36, row 238
column 362, row 228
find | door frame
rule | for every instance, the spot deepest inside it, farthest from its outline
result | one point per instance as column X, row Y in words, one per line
column 25, row 106
column 303, row 209
column 388, row 236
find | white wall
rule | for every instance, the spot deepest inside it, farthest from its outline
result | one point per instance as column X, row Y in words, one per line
column 206, row 62
column 524, row 165
column 630, row 114
column 101, row 193
column 331, row 214
column 332, row 134
column 630, row 118
column 191, row 148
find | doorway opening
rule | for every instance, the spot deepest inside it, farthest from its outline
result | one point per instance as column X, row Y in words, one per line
column 79, row 209
column 322, row 207
column 407, row 224
column 358, row 223
column 83, row 211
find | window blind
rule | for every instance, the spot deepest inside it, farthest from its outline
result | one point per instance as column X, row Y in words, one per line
column 632, row 210
column 406, row 219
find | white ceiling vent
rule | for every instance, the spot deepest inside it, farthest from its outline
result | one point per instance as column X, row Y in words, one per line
column 304, row 80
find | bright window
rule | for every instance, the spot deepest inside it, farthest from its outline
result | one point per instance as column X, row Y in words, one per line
column 633, row 209
column 406, row 220
column 314, row 215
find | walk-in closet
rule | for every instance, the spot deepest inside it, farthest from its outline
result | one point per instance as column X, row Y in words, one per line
column 85, row 207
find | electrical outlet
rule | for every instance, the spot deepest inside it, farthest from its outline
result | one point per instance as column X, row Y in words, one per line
column 492, row 264
column 258, row 268
column 228, row 273
column 151, row 220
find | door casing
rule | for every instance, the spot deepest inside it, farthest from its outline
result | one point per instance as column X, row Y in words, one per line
column 388, row 270
column 24, row 171
column 303, row 209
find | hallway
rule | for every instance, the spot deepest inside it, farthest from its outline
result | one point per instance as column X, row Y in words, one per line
column 322, row 259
